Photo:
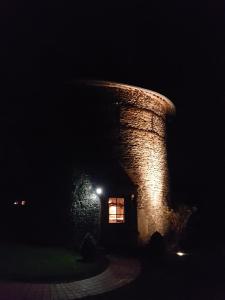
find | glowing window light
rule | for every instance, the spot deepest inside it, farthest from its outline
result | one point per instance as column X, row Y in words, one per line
column 116, row 210
column 23, row 202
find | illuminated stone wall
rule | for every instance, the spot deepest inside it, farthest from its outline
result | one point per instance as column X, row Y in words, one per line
column 143, row 155
column 142, row 151
column 85, row 209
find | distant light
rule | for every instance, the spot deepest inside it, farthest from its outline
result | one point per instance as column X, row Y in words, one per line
column 99, row 191
column 179, row 253
column 15, row 203
column 23, row 202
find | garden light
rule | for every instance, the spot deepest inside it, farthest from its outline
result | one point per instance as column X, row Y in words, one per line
column 179, row 253
column 99, row 191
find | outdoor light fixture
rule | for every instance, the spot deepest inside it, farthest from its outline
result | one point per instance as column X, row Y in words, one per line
column 20, row 203
column 179, row 253
column 99, row 191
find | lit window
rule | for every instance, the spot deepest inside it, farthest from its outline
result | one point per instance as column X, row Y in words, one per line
column 116, row 210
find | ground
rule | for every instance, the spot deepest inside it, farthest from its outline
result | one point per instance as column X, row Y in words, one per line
column 35, row 263
column 198, row 275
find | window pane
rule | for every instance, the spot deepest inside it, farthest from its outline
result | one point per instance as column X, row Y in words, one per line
column 120, row 201
column 116, row 210
column 112, row 218
column 112, row 201
column 120, row 218
column 119, row 210
column 112, row 209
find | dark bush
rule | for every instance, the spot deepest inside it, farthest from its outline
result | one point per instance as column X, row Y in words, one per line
column 88, row 248
column 156, row 245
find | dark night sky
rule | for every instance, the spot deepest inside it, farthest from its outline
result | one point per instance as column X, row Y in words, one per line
column 174, row 47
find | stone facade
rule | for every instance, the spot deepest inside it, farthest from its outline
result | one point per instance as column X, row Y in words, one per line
column 143, row 155
column 141, row 147
column 85, row 209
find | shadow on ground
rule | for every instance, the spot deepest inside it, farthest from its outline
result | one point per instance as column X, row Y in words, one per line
column 199, row 275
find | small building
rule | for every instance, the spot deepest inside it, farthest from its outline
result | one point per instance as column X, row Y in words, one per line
column 133, row 172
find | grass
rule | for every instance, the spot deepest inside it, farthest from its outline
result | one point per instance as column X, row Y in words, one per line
column 45, row 264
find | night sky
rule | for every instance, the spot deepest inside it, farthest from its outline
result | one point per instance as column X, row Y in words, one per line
column 174, row 47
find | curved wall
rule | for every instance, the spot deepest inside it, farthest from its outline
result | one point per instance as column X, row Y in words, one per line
column 141, row 147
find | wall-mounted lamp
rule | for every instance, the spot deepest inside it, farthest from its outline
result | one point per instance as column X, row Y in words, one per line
column 99, row 191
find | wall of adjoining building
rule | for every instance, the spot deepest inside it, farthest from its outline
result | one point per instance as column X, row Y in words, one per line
column 85, row 209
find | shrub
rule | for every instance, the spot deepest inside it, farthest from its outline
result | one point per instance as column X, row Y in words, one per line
column 85, row 209
column 88, row 248
column 179, row 219
column 157, row 245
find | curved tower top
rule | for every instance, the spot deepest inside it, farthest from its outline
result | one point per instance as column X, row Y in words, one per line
column 137, row 96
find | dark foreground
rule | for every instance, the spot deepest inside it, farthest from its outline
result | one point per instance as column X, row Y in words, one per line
column 199, row 275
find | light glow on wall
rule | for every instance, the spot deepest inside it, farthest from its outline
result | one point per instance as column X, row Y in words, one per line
column 94, row 196
column 143, row 155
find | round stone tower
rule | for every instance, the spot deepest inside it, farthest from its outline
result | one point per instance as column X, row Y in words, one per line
column 141, row 145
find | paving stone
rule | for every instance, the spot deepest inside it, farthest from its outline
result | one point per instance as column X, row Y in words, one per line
column 121, row 271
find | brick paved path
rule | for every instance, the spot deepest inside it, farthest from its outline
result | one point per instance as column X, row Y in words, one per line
column 121, row 271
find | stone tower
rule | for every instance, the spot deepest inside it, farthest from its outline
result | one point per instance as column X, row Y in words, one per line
column 141, row 145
